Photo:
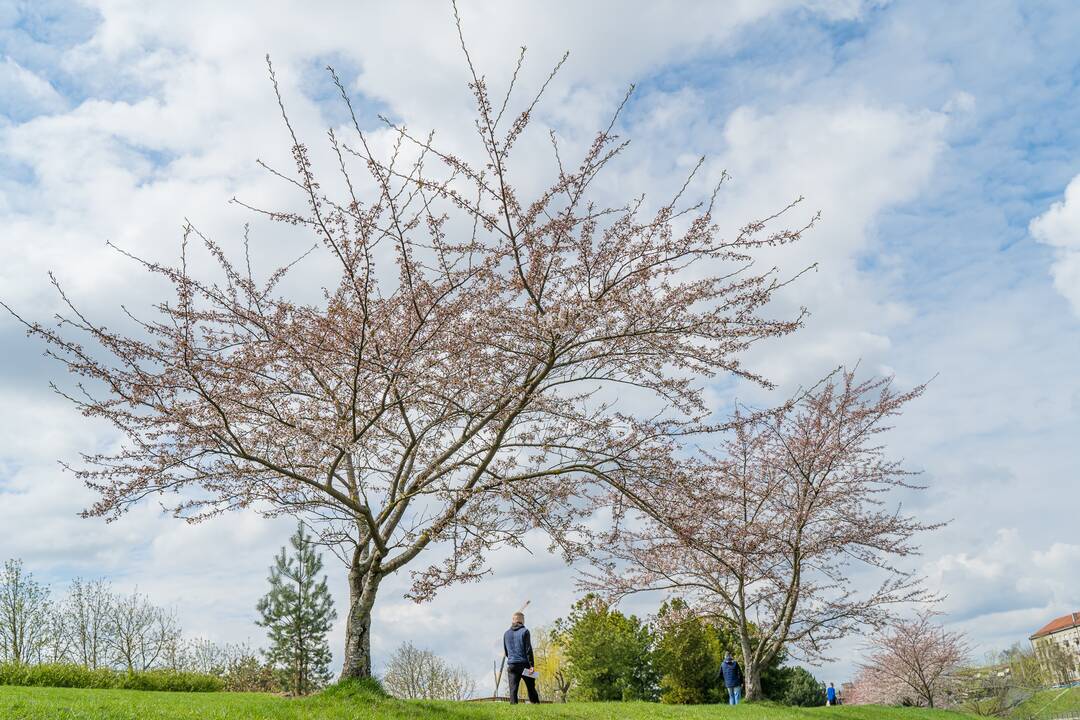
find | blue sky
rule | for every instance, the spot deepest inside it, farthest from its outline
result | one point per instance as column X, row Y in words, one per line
column 938, row 139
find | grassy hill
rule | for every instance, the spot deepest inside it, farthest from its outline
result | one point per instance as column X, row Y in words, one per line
column 1049, row 704
column 32, row 703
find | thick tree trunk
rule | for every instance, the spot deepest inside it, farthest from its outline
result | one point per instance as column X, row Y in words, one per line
column 362, row 589
column 751, row 666
column 752, row 682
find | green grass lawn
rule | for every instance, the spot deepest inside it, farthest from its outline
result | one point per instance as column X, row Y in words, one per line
column 34, row 703
column 1049, row 704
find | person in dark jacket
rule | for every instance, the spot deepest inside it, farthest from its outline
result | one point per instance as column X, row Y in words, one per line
column 517, row 646
column 733, row 679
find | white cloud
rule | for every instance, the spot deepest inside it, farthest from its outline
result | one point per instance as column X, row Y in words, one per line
column 1059, row 227
column 24, row 93
column 851, row 161
column 1006, row 588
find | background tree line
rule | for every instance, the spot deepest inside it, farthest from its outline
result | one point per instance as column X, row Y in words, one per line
column 675, row 658
column 97, row 627
column 598, row 653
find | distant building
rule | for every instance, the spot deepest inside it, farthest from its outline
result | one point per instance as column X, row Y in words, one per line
column 1057, row 645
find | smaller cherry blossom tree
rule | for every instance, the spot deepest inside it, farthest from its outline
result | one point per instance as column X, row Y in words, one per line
column 765, row 534
column 913, row 660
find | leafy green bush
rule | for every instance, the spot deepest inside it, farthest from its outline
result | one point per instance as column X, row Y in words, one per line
column 684, row 656
column 794, row 686
column 77, row 676
column 610, row 654
column 249, row 674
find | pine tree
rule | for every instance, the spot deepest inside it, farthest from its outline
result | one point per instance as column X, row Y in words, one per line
column 297, row 613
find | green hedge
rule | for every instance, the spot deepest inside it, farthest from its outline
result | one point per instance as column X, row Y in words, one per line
column 77, row 676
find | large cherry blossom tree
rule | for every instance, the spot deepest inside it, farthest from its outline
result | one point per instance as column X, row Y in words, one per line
column 426, row 411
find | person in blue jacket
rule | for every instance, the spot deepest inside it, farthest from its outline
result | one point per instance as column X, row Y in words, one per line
column 733, row 679
column 830, row 695
column 517, row 646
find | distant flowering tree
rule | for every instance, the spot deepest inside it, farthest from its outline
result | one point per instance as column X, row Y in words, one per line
column 445, row 403
column 912, row 661
column 763, row 534
column 862, row 691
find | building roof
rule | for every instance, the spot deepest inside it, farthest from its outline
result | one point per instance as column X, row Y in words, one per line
column 1062, row 623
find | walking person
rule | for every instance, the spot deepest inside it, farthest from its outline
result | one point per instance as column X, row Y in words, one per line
column 517, row 646
column 830, row 695
column 733, row 678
